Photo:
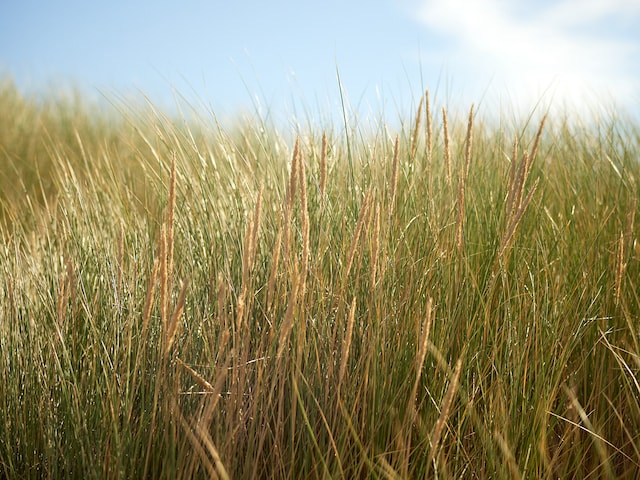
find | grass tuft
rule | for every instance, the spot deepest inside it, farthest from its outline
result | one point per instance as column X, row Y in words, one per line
column 185, row 299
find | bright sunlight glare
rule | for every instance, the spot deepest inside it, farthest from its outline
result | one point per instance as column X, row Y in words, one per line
column 565, row 53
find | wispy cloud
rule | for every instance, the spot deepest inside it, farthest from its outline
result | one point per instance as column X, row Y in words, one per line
column 575, row 53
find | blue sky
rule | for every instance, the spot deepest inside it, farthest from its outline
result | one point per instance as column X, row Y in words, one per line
column 281, row 55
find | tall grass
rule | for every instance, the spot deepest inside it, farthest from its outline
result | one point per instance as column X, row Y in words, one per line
column 449, row 299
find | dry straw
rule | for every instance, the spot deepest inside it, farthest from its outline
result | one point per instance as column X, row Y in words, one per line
column 394, row 174
column 323, row 165
column 429, row 127
column 421, row 353
column 290, row 197
column 516, row 205
column 462, row 181
column 447, row 145
column 361, row 225
column 375, row 244
column 347, row 343
column 436, row 435
column 416, row 130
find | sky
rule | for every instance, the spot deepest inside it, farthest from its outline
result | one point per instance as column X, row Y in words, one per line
column 293, row 58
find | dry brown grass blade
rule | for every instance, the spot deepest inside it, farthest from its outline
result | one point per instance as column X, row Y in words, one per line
column 197, row 446
column 468, row 143
column 519, row 174
column 536, row 142
column 290, row 197
column 323, row 165
column 375, row 244
column 173, row 327
column 429, row 127
column 363, row 218
column 200, row 380
column 166, row 249
column 514, row 160
column 460, row 216
column 248, row 260
column 508, row 455
column 206, row 439
column 462, row 185
column 170, row 220
column 256, row 227
column 305, row 224
column 421, row 354
column 148, row 303
column 447, row 145
column 287, row 323
column 275, row 262
column 394, row 174
column 416, row 130
column 387, row 469
column 514, row 221
column 599, row 442
column 164, row 281
column 347, row 343
column 444, row 412
column 146, row 315
column 621, row 266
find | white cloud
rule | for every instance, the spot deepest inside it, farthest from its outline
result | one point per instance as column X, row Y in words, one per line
column 565, row 51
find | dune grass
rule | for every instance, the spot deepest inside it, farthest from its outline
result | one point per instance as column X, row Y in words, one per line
column 449, row 299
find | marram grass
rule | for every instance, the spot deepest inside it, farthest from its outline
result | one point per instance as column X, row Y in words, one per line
column 447, row 300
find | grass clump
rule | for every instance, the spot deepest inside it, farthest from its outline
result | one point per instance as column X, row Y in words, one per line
column 449, row 299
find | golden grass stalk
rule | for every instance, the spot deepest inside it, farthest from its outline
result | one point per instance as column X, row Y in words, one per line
column 421, row 354
column 464, row 174
column 250, row 247
column 197, row 446
column 514, row 220
column 516, row 205
column 514, row 161
column 518, row 178
column 323, row 165
column 429, row 127
column 291, row 192
column 200, row 380
column 375, row 244
column 164, row 275
column 630, row 222
column 256, row 227
column 347, row 343
column 148, row 303
column 287, row 323
column 305, row 223
column 444, row 412
column 468, row 142
column 461, row 216
column 536, row 142
column 275, row 261
column 394, row 174
column 447, row 145
column 624, row 248
column 174, row 324
column 599, row 442
column 64, row 287
column 120, row 259
column 416, row 129
column 621, row 266
column 170, row 226
column 146, row 315
column 363, row 218
column 387, row 469
column 508, row 455
column 206, row 439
